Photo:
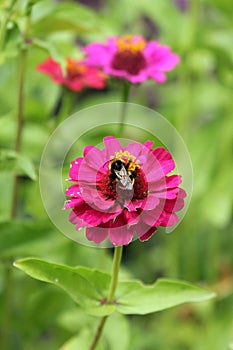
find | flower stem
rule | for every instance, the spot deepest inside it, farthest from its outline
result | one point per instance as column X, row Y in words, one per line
column 112, row 290
column 20, row 107
column 19, row 128
column 6, row 305
column 14, row 201
column 125, row 97
column 67, row 100
column 98, row 332
column 115, row 272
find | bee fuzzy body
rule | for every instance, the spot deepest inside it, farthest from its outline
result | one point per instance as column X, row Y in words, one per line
column 123, row 172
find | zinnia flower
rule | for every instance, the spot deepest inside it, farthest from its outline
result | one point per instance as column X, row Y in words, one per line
column 120, row 191
column 78, row 74
column 131, row 57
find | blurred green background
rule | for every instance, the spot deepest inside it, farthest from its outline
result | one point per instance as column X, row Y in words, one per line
column 196, row 99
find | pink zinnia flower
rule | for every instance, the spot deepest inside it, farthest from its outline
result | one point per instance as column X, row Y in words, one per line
column 120, row 191
column 131, row 57
column 78, row 74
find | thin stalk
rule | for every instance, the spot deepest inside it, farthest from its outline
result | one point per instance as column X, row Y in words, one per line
column 20, row 105
column 18, row 141
column 125, row 97
column 115, row 273
column 98, row 332
column 19, row 127
column 112, row 290
column 66, row 104
column 6, row 306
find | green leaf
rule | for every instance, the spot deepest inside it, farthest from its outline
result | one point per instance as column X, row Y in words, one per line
column 66, row 17
column 11, row 161
column 86, row 287
column 135, row 298
column 89, row 288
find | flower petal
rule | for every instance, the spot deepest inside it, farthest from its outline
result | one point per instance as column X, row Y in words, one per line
column 144, row 231
column 96, row 234
column 119, row 233
column 74, row 168
column 112, row 145
column 160, row 57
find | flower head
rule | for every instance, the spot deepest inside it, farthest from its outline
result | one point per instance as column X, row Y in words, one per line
column 78, row 74
column 120, row 191
column 131, row 57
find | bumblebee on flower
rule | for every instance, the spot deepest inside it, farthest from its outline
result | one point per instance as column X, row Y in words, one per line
column 120, row 191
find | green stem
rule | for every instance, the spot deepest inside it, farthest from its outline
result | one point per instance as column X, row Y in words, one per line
column 66, row 105
column 20, row 104
column 19, row 127
column 98, row 332
column 125, row 97
column 112, row 290
column 115, row 273
column 18, row 141
column 6, row 306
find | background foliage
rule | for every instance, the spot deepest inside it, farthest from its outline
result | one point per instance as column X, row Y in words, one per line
column 196, row 99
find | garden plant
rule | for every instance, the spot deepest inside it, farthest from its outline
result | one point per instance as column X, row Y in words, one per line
column 115, row 175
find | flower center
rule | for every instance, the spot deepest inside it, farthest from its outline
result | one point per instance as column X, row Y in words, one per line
column 123, row 179
column 74, row 69
column 129, row 56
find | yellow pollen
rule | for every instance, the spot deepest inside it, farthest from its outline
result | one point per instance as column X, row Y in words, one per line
column 73, row 66
column 126, row 156
column 126, row 43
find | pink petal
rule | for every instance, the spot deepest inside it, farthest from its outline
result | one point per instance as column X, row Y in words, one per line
column 94, row 157
column 135, row 149
column 73, row 202
column 121, row 236
column 148, row 234
column 51, row 68
column 144, row 231
column 161, row 154
column 97, row 54
column 74, row 219
column 75, row 85
column 160, row 57
column 96, row 234
column 92, row 196
column 131, row 217
column 151, row 201
column 168, row 219
column 148, row 144
column 168, row 194
column 166, row 182
column 165, row 159
column 74, row 168
column 159, row 77
column 73, row 191
column 151, row 217
column 174, row 205
column 112, row 145
column 93, row 217
column 119, row 233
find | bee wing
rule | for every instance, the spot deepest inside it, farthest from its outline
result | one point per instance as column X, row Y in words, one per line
column 124, row 178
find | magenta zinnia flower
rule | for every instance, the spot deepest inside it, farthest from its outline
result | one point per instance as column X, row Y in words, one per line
column 131, row 57
column 78, row 74
column 120, row 191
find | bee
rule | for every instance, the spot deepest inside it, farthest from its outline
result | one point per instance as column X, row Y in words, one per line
column 120, row 171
